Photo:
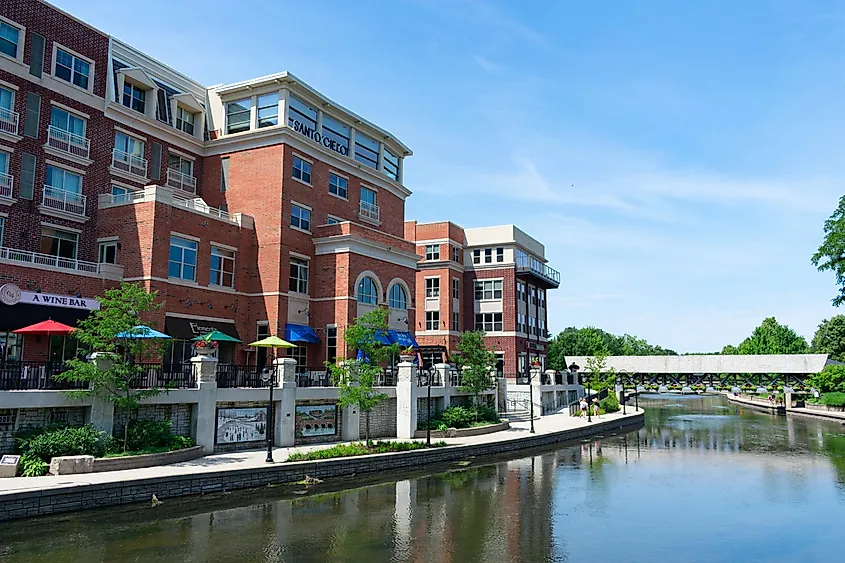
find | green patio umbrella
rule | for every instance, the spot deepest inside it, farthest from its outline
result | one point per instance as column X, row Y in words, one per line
column 216, row 336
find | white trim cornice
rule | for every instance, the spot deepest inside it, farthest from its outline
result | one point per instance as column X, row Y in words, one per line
column 357, row 245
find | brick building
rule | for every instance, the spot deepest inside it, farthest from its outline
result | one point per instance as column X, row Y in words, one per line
column 255, row 208
column 492, row 279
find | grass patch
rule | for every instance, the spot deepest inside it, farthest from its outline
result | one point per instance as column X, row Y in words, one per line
column 359, row 448
column 150, row 450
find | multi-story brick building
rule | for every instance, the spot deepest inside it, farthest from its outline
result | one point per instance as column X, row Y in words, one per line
column 492, row 279
column 255, row 208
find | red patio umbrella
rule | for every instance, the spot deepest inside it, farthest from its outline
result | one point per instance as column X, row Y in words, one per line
column 47, row 327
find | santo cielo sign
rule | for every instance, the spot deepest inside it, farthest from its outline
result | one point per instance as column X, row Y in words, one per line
column 315, row 136
column 10, row 294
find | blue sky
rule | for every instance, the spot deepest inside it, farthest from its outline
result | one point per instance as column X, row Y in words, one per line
column 677, row 159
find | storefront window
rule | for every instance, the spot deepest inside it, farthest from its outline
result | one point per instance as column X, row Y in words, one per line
column 11, row 347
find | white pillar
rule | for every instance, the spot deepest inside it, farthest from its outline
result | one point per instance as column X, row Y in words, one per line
column 284, row 416
column 501, row 393
column 406, row 400
column 205, row 372
column 101, row 415
column 537, row 391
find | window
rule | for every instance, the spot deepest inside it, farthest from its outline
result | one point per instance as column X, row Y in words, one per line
column 129, row 145
column 488, row 255
column 2, row 229
column 5, row 102
column 367, row 291
column 520, row 290
column 456, row 321
column 224, row 174
column 368, row 196
column 338, row 185
column 301, row 116
column 396, row 297
column 183, row 259
column 72, row 69
column 456, row 288
column 476, row 256
column 391, row 165
column 432, row 320
column 337, row 134
column 532, row 326
column 59, row 243
column 488, row 289
column 301, row 169
column 60, row 179
column 432, row 287
column 500, row 254
column 520, row 323
column 134, row 97
column 180, row 164
column 222, row 267
column 332, row 220
column 66, row 121
column 331, row 343
column 366, row 150
column 300, row 217
column 268, row 110
column 541, row 328
column 533, row 296
column 108, row 252
column 456, row 254
column 185, row 120
column 298, row 275
column 4, row 163
column 237, row 116
column 121, row 194
column 9, row 39
column 541, row 297
column 432, row 252
column 488, row 322
column 299, row 354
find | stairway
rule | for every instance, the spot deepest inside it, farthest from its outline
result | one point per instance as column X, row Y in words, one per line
column 517, row 416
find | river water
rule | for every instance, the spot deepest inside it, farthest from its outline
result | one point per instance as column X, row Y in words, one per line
column 700, row 481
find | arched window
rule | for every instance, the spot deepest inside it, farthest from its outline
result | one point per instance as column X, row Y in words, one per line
column 396, row 298
column 367, row 291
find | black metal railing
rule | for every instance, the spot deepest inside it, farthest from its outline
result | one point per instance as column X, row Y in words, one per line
column 423, row 377
column 313, row 376
column 18, row 376
column 164, row 376
column 234, row 375
column 574, row 408
column 387, row 378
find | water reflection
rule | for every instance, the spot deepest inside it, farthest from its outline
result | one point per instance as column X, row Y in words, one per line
column 698, row 482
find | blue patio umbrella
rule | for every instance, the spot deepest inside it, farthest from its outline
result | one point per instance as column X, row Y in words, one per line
column 141, row 331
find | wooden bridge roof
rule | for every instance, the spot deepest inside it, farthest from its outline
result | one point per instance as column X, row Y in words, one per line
column 786, row 363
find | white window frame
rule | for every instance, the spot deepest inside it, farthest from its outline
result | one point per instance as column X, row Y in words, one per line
column 148, row 93
column 432, row 320
column 294, row 206
column 358, row 293
column 488, row 255
column 182, row 109
column 476, row 256
column 3, row 217
column 301, row 170
column 432, row 287
column 456, row 321
column 74, row 54
column 489, row 287
column 224, row 259
column 456, row 255
column 489, row 320
column 182, row 160
column 336, row 193
column 102, row 246
column 333, row 219
column 456, row 288
column 258, row 107
column 182, row 263
column 500, row 254
column 249, row 111
column 71, row 112
column 301, row 264
column 432, row 252
column 21, row 40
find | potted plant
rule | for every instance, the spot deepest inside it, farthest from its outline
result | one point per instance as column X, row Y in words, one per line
column 205, row 347
column 407, row 355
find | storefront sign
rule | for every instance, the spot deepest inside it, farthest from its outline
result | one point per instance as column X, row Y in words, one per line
column 312, row 134
column 199, row 329
column 10, row 294
column 316, row 420
column 241, row 424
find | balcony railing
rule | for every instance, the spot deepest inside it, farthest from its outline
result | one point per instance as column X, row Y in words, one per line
column 49, row 260
column 63, row 200
column 8, row 121
column 6, row 181
column 369, row 211
column 201, row 206
column 129, row 163
column 181, row 181
column 17, row 376
column 318, row 376
column 231, row 375
column 68, row 142
column 533, row 266
column 164, row 376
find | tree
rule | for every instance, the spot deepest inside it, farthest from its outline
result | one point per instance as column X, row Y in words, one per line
column 356, row 378
column 477, row 365
column 120, row 309
column 590, row 341
column 601, row 376
column 772, row 337
column 830, row 380
column 730, row 350
column 830, row 338
column 831, row 253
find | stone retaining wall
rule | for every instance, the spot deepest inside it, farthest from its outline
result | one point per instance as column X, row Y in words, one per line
column 461, row 432
column 69, row 499
column 14, row 420
column 146, row 460
column 179, row 416
column 382, row 420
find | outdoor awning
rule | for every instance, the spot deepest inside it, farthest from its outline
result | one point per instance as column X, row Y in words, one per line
column 300, row 333
column 383, row 337
column 404, row 339
column 186, row 329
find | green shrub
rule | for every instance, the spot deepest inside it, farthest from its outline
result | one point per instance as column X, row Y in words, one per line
column 84, row 440
column 833, row 399
column 23, row 436
column 359, row 448
column 148, row 434
column 31, row 466
column 461, row 417
column 181, row 442
column 609, row 403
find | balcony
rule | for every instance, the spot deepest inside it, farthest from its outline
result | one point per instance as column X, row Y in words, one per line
column 369, row 212
column 68, row 144
column 62, row 201
column 540, row 274
column 51, row 262
column 8, row 122
column 6, row 182
column 180, row 181
column 129, row 164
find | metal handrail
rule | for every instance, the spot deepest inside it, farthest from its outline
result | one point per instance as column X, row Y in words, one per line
column 27, row 257
column 370, row 211
column 6, row 183
column 63, row 200
column 129, row 163
column 181, row 181
column 65, row 141
column 19, row 376
column 8, row 121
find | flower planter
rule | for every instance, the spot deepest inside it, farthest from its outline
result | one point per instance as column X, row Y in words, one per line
column 406, row 358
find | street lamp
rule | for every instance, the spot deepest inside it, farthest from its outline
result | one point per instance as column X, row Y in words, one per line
column 267, row 377
column 530, row 388
column 624, row 395
column 426, row 377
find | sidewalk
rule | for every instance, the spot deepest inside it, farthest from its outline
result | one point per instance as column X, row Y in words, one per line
column 235, row 461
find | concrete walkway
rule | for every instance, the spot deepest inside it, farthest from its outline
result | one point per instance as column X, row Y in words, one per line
column 256, row 458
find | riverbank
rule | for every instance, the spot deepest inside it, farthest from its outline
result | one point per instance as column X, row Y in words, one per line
column 25, row 497
column 765, row 406
column 762, row 405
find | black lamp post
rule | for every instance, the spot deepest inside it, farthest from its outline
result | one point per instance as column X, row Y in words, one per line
column 530, row 388
column 589, row 403
column 267, row 376
column 624, row 396
column 427, row 376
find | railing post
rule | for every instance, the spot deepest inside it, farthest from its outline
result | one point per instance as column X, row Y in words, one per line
column 284, row 411
column 537, row 391
column 205, row 416
column 101, row 414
